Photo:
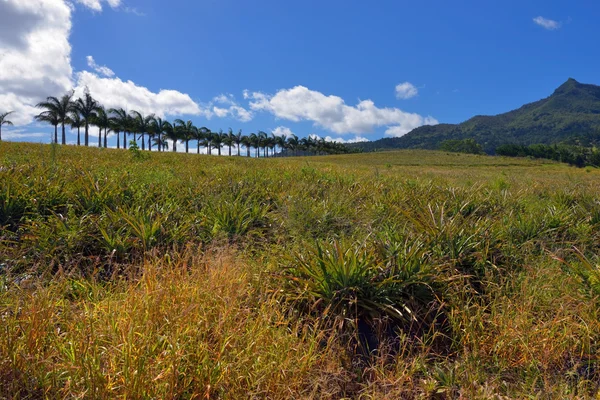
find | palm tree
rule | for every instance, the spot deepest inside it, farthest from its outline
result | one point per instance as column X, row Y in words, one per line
column 103, row 122
column 254, row 142
column 187, row 132
column 271, row 143
column 247, row 142
column 262, row 142
column 4, row 121
column 120, row 123
column 292, row 143
column 217, row 140
column 76, row 122
column 202, row 135
column 51, row 118
column 237, row 139
column 87, row 109
column 141, row 125
column 158, row 127
column 61, row 108
column 228, row 140
column 277, row 141
column 171, row 133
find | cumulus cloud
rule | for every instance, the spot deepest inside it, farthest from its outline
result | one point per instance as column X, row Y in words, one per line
column 283, row 131
column 230, row 108
column 35, row 57
column 406, row 90
column 546, row 23
column 100, row 69
column 332, row 113
column 114, row 92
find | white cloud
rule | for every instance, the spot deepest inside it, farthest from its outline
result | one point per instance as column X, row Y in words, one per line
column 283, row 131
column 232, row 109
column 35, row 57
column 547, row 23
column 356, row 139
column 330, row 112
column 100, row 69
column 114, row 92
column 406, row 90
column 20, row 134
column 96, row 5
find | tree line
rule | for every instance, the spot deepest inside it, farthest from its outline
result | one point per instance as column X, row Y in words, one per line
column 578, row 156
column 85, row 112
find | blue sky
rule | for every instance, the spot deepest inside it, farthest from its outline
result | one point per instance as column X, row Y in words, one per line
column 343, row 69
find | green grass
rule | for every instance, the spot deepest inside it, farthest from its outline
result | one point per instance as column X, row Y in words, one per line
column 408, row 274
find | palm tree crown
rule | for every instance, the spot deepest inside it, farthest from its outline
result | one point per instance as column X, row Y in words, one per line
column 4, row 121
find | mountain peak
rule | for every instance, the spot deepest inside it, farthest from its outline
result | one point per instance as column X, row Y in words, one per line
column 570, row 84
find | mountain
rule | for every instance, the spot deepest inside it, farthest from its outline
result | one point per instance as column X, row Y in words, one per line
column 570, row 115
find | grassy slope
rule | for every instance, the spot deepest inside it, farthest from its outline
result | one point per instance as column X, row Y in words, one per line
column 97, row 300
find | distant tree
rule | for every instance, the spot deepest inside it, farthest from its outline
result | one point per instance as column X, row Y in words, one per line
column 171, row 133
column 61, row 109
column 52, row 118
column 86, row 107
column 228, row 140
column 160, row 127
column 469, row 146
column 76, row 122
column 102, row 121
column 121, row 122
column 4, row 121
column 247, row 143
column 186, row 130
column 237, row 139
column 217, row 140
column 141, row 125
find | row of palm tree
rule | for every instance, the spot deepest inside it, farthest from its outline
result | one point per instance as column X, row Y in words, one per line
column 86, row 112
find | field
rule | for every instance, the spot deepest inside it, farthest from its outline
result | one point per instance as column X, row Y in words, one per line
column 406, row 274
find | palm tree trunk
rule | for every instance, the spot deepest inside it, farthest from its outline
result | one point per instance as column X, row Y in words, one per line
column 198, row 147
column 64, row 136
column 143, row 142
column 209, row 149
column 86, row 138
column 78, row 136
column 229, row 150
column 56, row 134
column 99, row 137
column 175, row 146
column 248, row 151
column 118, row 140
column 105, row 137
column 124, row 139
column 187, row 146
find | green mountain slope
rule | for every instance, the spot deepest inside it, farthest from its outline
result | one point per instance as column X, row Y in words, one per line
column 570, row 115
